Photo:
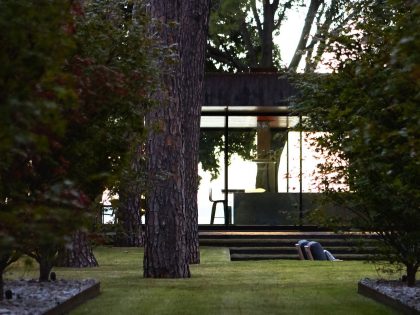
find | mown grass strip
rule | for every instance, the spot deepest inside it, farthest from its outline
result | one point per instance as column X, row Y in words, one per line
column 219, row 286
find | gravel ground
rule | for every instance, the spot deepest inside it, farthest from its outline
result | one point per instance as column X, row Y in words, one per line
column 397, row 290
column 33, row 297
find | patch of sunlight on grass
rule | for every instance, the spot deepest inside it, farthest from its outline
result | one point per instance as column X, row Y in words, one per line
column 219, row 286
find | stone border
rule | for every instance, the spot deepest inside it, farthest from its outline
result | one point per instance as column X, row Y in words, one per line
column 75, row 301
column 385, row 299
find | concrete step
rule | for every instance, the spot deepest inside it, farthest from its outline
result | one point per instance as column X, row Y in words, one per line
column 239, row 257
column 338, row 250
column 263, row 243
column 269, row 242
column 283, row 235
column 259, row 228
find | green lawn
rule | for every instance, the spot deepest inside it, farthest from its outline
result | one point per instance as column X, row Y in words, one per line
column 219, row 286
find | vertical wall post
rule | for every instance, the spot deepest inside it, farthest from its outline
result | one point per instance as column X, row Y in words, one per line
column 226, row 162
column 300, row 173
column 287, row 154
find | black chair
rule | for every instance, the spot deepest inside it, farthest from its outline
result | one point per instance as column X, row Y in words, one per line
column 226, row 209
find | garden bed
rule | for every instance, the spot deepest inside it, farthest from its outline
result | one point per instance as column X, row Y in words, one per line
column 53, row 297
column 392, row 293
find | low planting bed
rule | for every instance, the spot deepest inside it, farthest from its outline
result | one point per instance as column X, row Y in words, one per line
column 50, row 298
column 395, row 294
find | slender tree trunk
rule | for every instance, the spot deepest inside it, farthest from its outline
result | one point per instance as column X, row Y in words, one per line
column 46, row 257
column 310, row 16
column 130, row 219
column 45, row 267
column 193, row 45
column 411, row 275
column 267, row 39
column 165, row 251
column 131, row 190
column 1, row 284
column 4, row 259
column 80, row 253
column 130, row 202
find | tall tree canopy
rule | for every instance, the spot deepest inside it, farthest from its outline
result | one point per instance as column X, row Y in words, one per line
column 114, row 70
column 39, row 205
column 242, row 38
column 369, row 110
column 242, row 32
column 74, row 88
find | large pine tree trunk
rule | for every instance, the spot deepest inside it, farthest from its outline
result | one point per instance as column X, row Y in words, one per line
column 193, row 44
column 165, row 250
column 80, row 253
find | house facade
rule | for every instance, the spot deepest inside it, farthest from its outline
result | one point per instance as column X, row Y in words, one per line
column 266, row 169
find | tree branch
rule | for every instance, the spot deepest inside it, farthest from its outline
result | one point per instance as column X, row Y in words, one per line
column 248, row 43
column 344, row 22
column 257, row 18
column 280, row 19
column 275, row 5
column 324, row 32
column 310, row 63
column 310, row 16
column 225, row 57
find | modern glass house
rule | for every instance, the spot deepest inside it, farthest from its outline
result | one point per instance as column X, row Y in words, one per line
column 264, row 171
column 274, row 182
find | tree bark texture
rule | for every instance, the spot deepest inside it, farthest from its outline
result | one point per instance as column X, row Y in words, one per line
column 193, row 45
column 172, row 215
column 80, row 253
column 165, row 251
